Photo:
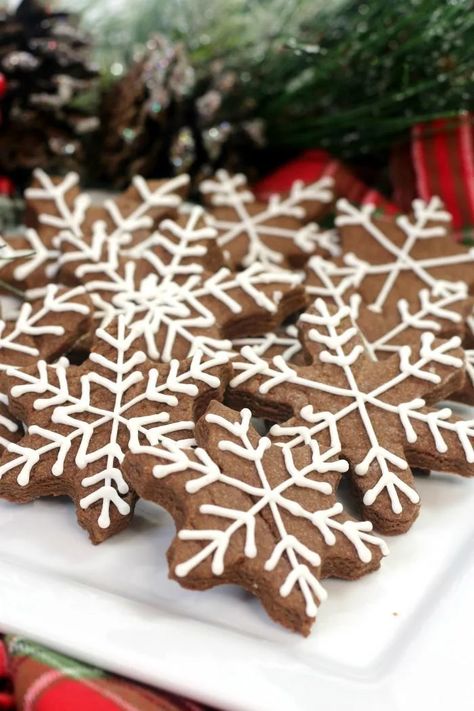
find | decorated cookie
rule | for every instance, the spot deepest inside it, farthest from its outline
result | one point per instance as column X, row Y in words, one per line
column 273, row 232
column 8, row 255
column 380, row 409
column 55, row 205
column 82, row 420
column 400, row 276
column 256, row 514
column 466, row 394
column 408, row 269
column 46, row 329
column 170, row 293
column 283, row 342
column 401, row 323
column 177, row 249
column 394, row 259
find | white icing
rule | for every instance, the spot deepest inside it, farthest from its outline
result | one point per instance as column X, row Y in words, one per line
column 424, row 214
column 28, row 323
column 336, row 283
column 176, row 298
column 230, row 191
column 286, row 341
column 106, row 485
column 299, row 556
column 35, row 256
column 342, row 354
column 70, row 219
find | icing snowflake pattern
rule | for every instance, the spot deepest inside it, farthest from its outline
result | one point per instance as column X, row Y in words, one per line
column 437, row 311
column 337, row 286
column 335, row 390
column 24, row 339
column 282, row 483
column 400, row 258
column 97, row 412
column 178, row 307
column 70, row 212
column 30, row 322
column 258, row 222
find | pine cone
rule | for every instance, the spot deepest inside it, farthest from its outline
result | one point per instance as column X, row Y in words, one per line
column 159, row 120
column 228, row 133
column 144, row 110
column 44, row 58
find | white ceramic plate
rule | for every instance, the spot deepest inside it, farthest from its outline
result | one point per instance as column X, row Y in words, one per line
column 400, row 638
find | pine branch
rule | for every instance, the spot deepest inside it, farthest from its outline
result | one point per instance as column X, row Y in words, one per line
column 350, row 76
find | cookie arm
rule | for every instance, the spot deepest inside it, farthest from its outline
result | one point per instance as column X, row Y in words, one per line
column 231, row 531
column 441, row 441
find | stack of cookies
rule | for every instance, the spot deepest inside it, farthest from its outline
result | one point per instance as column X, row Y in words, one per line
column 232, row 362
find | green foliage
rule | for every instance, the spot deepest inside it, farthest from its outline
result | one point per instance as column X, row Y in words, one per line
column 241, row 30
column 349, row 75
column 358, row 76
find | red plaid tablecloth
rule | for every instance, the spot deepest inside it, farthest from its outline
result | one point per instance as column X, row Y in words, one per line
column 34, row 678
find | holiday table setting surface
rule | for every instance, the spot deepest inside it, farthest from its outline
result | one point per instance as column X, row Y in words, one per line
column 113, row 606
column 236, row 355
column 112, row 609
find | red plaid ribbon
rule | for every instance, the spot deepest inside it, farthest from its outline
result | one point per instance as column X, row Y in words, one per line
column 443, row 160
column 438, row 160
column 314, row 164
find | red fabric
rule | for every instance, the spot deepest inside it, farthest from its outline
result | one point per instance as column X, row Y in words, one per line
column 34, row 678
column 75, row 696
column 6, row 186
column 7, row 699
column 442, row 153
column 437, row 160
column 314, row 164
column 308, row 167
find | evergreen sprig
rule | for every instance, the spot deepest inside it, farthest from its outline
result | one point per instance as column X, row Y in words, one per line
column 349, row 75
column 358, row 76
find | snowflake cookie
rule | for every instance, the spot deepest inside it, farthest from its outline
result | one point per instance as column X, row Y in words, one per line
column 82, row 420
column 379, row 409
column 170, row 293
column 393, row 259
column 466, row 394
column 43, row 329
column 408, row 269
column 445, row 316
column 284, row 342
column 255, row 514
column 54, row 205
column 274, row 232
column 442, row 313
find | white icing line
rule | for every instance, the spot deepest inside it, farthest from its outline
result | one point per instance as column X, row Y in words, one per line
column 224, row 191
column 299, row 555
column 324, row 333
column 63, row 405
